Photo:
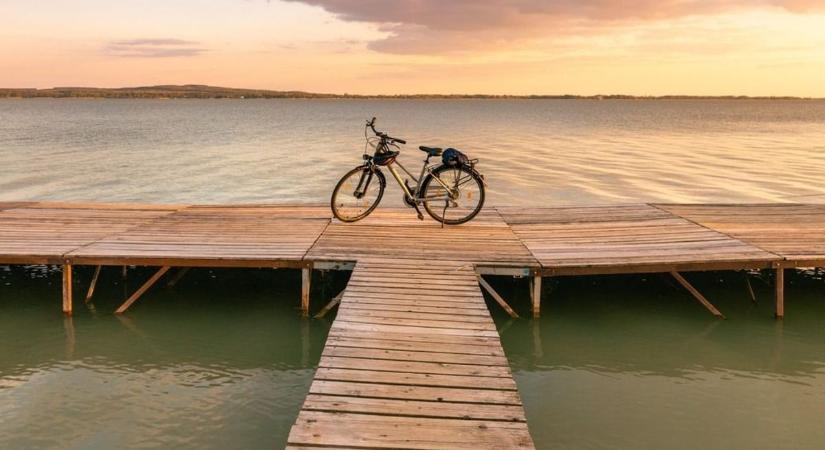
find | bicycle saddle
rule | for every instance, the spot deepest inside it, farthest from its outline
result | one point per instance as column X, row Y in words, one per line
column 431, row 151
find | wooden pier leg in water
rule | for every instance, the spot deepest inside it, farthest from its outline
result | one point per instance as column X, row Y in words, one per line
column 535, row 296
column 780, row 292
column 177, row 277
column 495, row 295
column 67, row 289
column 750, row 288
column 142, row 289
column 91, row 291
column 306, row 278
column 335, row 300
column 697, row 295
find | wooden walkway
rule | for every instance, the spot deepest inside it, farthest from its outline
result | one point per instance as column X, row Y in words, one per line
column 627, row 239
column 412, row 361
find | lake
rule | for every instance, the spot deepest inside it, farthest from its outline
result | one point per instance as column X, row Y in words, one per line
column 533, row 152
column 223, row 360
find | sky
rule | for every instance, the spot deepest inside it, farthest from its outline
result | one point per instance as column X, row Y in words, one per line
column 517, row 47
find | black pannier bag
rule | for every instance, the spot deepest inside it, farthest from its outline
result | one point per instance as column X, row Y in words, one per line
column 454, row 158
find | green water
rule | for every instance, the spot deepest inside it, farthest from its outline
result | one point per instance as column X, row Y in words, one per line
column 634, row 362
column 222, row 360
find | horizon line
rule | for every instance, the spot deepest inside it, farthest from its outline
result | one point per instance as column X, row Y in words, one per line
column 209, row 91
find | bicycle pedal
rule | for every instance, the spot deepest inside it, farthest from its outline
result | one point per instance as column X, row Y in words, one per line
column 420, row 216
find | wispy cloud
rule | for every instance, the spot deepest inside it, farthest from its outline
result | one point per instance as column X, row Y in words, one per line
column 154, row 48
column 424, row 26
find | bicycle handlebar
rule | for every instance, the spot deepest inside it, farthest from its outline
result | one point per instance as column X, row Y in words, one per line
column 371, row 124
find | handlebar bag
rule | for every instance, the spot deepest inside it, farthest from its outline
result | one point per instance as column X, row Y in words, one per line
column 454, row 158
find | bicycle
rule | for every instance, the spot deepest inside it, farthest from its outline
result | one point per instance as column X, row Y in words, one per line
column 451, row 192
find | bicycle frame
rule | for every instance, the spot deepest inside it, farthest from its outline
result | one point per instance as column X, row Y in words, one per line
column 384, row 146
column 426, row 167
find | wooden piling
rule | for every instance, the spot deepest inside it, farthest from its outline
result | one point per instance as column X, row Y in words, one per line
column 535, row 296
column 306, row 278
column 780, row 292
column 67, row 289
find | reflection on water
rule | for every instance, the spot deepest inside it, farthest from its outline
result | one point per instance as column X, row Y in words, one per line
column 220, row 361
column 634, row 362
column 532, row 151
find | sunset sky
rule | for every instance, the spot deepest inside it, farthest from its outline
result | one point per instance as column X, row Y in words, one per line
column 640, row 47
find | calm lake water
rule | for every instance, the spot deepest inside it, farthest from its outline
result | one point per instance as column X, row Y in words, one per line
column 223, row 360
column 534, row 152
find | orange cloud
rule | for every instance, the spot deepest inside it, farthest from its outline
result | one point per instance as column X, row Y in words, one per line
column 426, row 26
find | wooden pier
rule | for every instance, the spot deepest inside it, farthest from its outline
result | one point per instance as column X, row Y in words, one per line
column 413, row 359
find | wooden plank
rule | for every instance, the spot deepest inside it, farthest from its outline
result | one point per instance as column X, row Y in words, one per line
column 414, row 379
column 377, row 431
column 413, row 408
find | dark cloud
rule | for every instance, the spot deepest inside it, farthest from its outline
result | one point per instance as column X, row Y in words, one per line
column 444, row 25
column 154, row 48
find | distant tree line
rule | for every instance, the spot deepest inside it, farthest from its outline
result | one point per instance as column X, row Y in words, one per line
column 211, row 92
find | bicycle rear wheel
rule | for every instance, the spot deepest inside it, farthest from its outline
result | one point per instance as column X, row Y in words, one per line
column 357, row 194
column 461, row 202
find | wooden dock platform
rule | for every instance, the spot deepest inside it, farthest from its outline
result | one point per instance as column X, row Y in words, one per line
column 413, row 359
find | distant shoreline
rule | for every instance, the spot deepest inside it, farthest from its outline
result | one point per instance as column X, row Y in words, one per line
column 212, row 92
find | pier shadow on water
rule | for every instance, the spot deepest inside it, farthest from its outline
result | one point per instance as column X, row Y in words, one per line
column 221, row 360
column 634, row 362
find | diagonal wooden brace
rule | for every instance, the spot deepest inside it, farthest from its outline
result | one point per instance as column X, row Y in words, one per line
column 697, row 295
column 495, row 296
column 92, row 286
column 328, row 307
column 149, row 283
column 177, row 277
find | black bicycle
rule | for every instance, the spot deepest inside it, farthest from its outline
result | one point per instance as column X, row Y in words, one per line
column 451, row 191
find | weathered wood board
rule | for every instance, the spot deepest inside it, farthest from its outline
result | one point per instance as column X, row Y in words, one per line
column 626, row 239
column 413, row 361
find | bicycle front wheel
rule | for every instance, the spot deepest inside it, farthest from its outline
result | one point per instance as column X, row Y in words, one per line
column 357, row 194
column 458, row 199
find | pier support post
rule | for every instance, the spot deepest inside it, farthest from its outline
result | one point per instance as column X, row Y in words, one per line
column 780, row 292
column 697, row 295
column 328, row 307
column 495, row 296
column 91, row 291
column 306, row 278
column 142, row 289
column 535, row 296
column 67, row 289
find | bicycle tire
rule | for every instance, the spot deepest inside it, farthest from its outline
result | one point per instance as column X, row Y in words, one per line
column 433, row 209
column 358, row 171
